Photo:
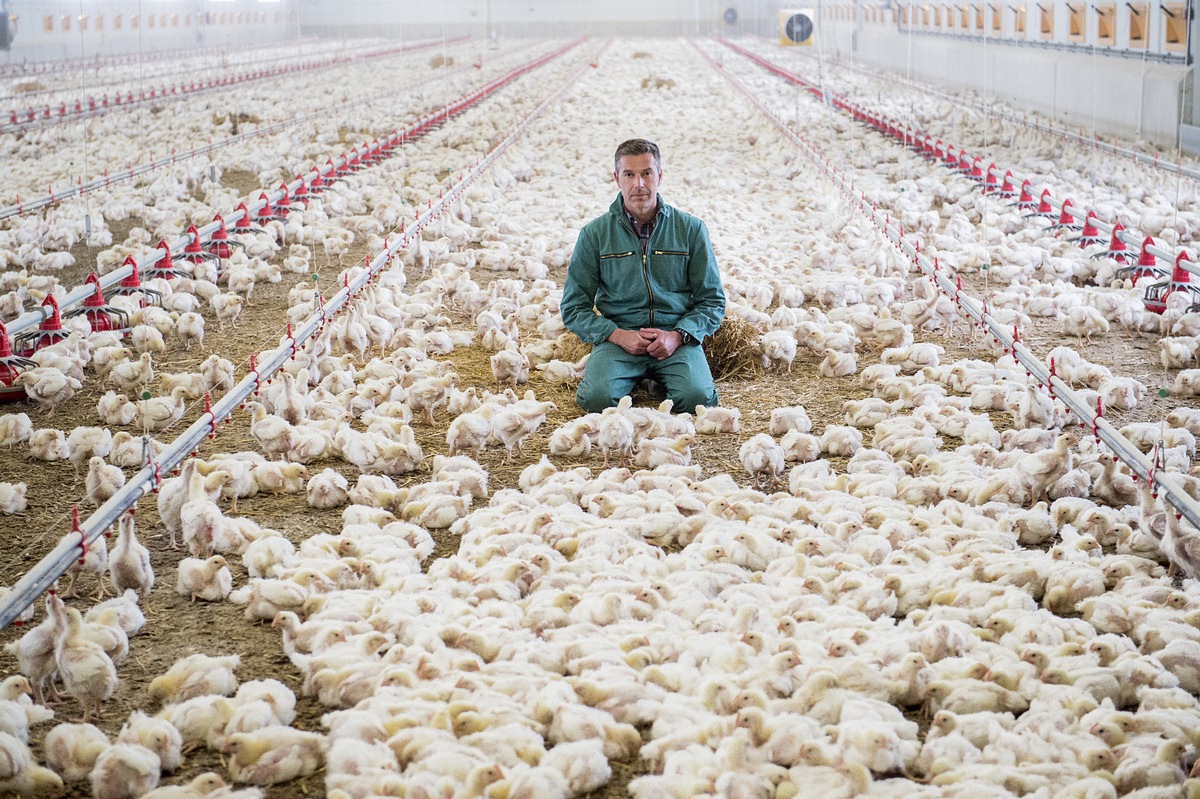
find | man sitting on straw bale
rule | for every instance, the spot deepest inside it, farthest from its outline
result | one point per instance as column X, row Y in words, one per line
column 644, row 290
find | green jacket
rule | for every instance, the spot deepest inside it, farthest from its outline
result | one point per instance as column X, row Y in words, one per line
column 675, row 285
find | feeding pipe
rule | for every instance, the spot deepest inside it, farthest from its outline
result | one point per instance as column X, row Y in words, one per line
column 1170, row 489
column 43, row 575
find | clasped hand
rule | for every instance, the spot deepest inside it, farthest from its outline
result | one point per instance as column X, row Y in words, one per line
column 651, row 341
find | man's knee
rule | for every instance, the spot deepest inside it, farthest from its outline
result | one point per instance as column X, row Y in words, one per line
column 595, row 395
column 686, row 397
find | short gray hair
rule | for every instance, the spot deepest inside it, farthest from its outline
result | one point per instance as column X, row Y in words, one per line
column 637, row 147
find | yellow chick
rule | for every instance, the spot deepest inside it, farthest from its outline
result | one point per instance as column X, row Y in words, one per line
column 87, row 672
column 274, row 754
column 129, row 561
column 196, row 675
column 209, row 579
column 102, row 481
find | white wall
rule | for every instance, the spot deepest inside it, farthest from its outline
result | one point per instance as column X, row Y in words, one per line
column 1127, row 96
column 518, row 18
column 188, row 24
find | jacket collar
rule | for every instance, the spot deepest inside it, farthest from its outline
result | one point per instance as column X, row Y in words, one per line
column 618, row 208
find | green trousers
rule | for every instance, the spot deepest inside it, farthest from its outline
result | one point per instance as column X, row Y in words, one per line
column 612, row 373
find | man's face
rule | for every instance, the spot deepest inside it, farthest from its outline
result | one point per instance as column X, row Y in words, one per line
column 638, row 178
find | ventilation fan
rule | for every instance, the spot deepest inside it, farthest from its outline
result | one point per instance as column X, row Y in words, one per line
column 795, row 26
column 730, row 16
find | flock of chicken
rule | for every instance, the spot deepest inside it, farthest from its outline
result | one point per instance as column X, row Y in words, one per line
column 915, row 556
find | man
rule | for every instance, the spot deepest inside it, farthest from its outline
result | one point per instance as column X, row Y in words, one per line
column 644, row 290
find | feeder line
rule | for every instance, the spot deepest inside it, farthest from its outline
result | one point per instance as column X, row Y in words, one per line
column 43, row 575
column 19, row 207
column 1141, row 466
column 926, row 145
column 333, row 169
column 80, row 109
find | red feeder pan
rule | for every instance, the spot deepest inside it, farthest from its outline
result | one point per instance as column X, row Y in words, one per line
column 1181, row 281
column 11, row 366
column 1026, row 201
column 1043, row 206
column 1146, row 266
column 1117, row 249
column 220, row 245
column 1006, row 189
column 164, row 267
column 302, row 192
column 1065, row 220
column 50, row 331
column 194, row 251
column 101, row 316
column 1090, row 234
column 132, row 285
column 989, row 180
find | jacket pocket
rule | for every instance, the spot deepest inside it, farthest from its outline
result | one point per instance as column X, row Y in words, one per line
column 606, row 256
column 670, row 269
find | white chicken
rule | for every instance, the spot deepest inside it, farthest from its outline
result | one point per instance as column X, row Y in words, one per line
column 129, row 561
column 196, row 675
column 274, row 754
column 48, row 387
column 94, row 561
column 115, row 410
column 276, row 436
column 125, row 771
column 144, row 338
column 156, row 734
column 159, row 413
column 12, row 498
column 512, row 424
column 193, row 384
column 87, row 672
column 189, row 327
column 209, row 579
column 509, row 366
column 103, row 480
column 200, row 519
column 227, row 307
column 717, row 420
column 71, row 749
column 1084, row 321
column 778, row 349
column 763, row 459
column 86, row 443
column 129, row 376
column 429, row 393
column 790, row 418
column 49, row 445
column 1040, row 470
column 327, row 490
column 468, row 433
column 15, row 428
column 614, row 431
column 34, row 650
column 218, row 373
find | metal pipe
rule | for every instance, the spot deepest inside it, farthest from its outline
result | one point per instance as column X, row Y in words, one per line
column 79, row 188
column 32, row 319
column 1128, row 237
column 45, row 115
column 1124, row 152
column 53, row 565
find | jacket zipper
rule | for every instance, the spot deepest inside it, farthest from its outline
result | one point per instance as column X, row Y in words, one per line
column 670, row 252
column 645, row 270
column 616, row 255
